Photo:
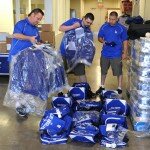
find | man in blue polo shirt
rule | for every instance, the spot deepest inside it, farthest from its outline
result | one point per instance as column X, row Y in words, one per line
column 26, row 32
column 72, row 24
column 25, row 35
column 114, row 38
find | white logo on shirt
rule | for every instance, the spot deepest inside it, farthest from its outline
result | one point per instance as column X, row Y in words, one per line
column 115, row 32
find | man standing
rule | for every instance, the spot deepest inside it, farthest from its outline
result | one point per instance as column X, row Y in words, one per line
column 25, row 35
column 114, row 38
column 26, row 32
column 72, row 24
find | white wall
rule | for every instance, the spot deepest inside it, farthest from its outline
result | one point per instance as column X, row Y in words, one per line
column 99, row 13
column 60, row 13
column 6, row 19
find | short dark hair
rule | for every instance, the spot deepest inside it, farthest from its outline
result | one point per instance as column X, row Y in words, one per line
column 113, row 13
column 36, row 11
column 90, row 16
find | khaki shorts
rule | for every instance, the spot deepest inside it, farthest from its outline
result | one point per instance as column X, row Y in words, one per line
column 115, row 63
column 79, row 70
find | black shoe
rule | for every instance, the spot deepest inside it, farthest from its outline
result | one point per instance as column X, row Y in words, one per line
column 22, row 111
column 60, row 94
column 119, row 91
column 90, row 94
column 99, row 91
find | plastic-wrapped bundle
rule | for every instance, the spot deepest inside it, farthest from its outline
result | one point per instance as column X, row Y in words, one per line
column 33, row 76
column 115, row 119
column 141, row 126
column 140, row 83
column 142, row 45
column 55, row 130
column 61, row 101
column 116, row 106
column 140, row 115
column 84, row 133
column 109, row 94
column 87, row 105
column 81, row 117
column 141, row 97
column 141, row 71
column 113, row 136
column 141, row 59
column 79, row 47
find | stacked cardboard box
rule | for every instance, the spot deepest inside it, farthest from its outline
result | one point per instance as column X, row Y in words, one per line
column 3, row 47
column 47, row 34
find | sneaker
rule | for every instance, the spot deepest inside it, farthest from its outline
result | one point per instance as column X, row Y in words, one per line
column 99, row 91
column 60, row 94
column 119, row 91
column 90, row 94
column 22, row 111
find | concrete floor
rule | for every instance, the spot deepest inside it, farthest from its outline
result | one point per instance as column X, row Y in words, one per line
column 22, row 134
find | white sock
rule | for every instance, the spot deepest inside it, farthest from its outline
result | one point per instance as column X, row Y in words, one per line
column 102, row 86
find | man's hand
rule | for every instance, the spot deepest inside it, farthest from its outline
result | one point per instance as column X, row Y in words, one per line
column 76, row 25
column 33, row 39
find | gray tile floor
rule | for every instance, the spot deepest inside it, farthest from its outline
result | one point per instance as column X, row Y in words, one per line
column 22, row 134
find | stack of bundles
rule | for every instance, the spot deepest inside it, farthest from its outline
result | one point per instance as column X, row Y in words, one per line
column 35, row 73
column 79, row 47
column 55, row 126
column 84, row 126
column 113, row 126
column 140, row 85
column 85, row 118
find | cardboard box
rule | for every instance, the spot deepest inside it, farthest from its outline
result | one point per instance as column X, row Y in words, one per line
column 3, row 36
column 8, row 40
column 47, row 27
column 3, row 47
column 48, row 37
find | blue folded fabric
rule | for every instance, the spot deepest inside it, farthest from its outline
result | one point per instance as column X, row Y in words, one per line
column 61, row 101
column 77, row 93
column 109, row 94
column 86, row 105
column 59, row 112
column 116, row 106
column 68, row 123
column 111, row 118
column 81, row 117
column 52, row 124
column 56, row 139
column 83, row 136
column 85, row 85
column 113, row 136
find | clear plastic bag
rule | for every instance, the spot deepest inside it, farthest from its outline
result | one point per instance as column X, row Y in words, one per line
column 35, row 73
column 79, row 47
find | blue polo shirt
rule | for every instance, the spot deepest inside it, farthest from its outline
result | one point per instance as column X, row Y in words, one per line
column 116, row 33
column 26, row 28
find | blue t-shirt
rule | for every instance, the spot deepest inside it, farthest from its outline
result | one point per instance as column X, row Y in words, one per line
column 26, row 28
column 116, row 33
column 68, row 23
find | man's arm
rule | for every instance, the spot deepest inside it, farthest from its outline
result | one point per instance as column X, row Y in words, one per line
column 65, row 28
column 32, row 39
column 125, row 49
